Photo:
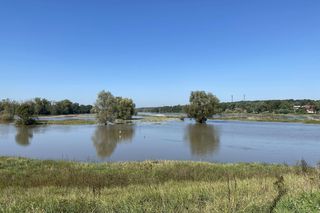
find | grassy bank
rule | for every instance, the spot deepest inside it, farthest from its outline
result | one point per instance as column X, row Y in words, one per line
column 271, row 120
column 268, row 117
column 157, row 119
column 165, row 186
column 67, row 122
column 145, row 119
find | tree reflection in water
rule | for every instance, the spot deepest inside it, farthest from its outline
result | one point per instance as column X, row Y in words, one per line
column 203, row 139
column 106, row 138
column 25, row 134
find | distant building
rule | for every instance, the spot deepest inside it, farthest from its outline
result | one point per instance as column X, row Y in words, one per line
column 310, row 109
column 296, row 107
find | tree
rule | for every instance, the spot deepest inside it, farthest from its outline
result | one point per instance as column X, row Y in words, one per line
column 41, row 106
column 202, row 105
column 110, row 108
column 64, row 107
column 125, row 108
column 25, row 113
column 7, row 110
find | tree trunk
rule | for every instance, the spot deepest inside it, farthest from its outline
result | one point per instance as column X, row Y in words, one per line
column 202, row 120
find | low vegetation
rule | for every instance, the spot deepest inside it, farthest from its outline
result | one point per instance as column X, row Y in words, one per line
column 68, row 122
column 156, row 186
column 268, row 117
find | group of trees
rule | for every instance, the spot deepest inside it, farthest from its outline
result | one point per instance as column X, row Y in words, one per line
column 64, row 107
column 110, row 108
column 163, row 109
column 8, row 109
column 38, row 106
column 270, row 106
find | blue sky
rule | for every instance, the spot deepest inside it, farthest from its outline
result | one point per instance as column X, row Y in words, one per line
column 157, row 51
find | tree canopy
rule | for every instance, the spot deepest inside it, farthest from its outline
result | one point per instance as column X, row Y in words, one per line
column 202, row 105
column 110, row 108
column 25, row 113
column 42, row 106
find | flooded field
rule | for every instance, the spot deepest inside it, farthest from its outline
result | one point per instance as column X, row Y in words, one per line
column 218, row 141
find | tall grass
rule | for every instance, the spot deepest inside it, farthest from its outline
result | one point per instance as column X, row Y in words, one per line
column 155, row 186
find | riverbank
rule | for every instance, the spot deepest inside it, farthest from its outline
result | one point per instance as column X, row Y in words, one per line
column 89, row 119
column 269, row 117
column 155, row 186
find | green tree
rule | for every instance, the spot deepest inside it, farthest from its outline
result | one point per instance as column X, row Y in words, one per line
column 8, row 110
column 110, row 108
column 64, row 107
column 202, row 105
column 125, row 108
column 41, row 106
column 25, row 113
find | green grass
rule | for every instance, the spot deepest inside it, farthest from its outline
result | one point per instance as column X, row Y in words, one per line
column 67, row 122
column 158, row 119
column 312, row 122
column 155, row 186
column 271, row 120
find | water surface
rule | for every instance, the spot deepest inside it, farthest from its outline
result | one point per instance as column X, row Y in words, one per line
column 218, row 141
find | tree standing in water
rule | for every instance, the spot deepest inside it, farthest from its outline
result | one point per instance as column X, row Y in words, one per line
column 110, row 108
column 202, row 105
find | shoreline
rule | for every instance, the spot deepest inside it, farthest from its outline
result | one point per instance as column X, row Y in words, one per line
column 88, row 119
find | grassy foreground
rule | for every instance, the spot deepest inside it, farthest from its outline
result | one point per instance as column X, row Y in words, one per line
column 156, row 186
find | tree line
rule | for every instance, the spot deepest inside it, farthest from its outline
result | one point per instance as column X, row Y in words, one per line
column 40, row 106
column 112, row 109
column 163, row 109
column 272, row 106
column 108, row 108
column 269, row 106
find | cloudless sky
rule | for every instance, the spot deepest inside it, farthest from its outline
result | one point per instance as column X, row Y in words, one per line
column 157, row 51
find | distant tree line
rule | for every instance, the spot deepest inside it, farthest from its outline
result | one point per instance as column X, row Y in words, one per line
column 112, row 109
column 271, row 106
column 41, row 106
column 268, row 106
column 163, row 109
